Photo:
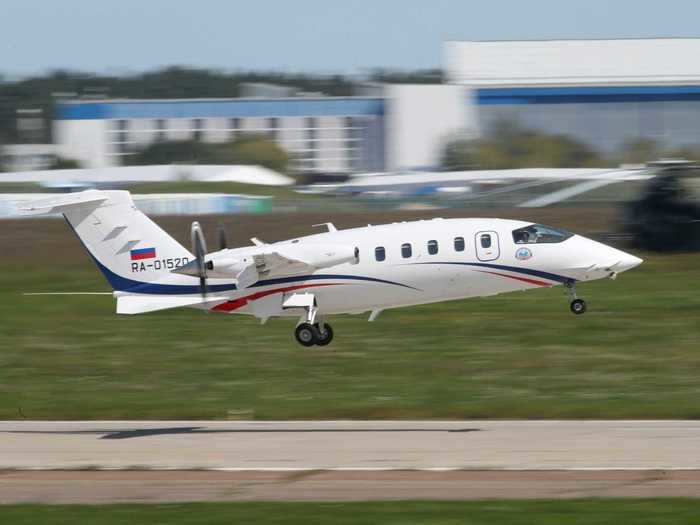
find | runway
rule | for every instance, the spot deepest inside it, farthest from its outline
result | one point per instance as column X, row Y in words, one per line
column 346, row 460
column 351, row 445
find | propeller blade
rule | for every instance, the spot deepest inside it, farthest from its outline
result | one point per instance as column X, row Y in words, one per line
column 221, row 234
column 199, row 249
column 198, row 241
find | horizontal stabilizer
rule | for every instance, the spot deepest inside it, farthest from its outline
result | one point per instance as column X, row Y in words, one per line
column 67, row 293
column 140, row 304
column 63, row 203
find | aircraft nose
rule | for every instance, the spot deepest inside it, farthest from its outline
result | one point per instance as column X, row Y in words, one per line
column 629, row 261
column 625, row 261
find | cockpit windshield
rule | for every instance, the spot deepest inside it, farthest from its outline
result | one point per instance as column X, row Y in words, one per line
column 539, row 234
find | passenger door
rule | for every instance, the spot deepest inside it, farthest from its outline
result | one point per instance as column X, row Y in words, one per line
column 487, row 246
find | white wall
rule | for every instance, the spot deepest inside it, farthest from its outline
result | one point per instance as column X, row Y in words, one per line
column 84, row 141
column 421, row 119
column 576, row 62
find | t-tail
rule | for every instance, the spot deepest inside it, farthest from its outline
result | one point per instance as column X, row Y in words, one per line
column 135, row 255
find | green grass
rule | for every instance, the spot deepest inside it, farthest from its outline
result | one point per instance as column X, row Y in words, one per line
column 573, row 512
column 635, row 354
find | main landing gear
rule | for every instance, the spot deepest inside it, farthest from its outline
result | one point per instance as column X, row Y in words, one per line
column 319, row 334
column 577, row 306
column 312, row 330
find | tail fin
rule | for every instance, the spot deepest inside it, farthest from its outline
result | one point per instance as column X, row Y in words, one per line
column 129, row 248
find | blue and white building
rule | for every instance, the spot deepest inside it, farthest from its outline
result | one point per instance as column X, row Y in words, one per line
column 322, row 134
column 602, row 92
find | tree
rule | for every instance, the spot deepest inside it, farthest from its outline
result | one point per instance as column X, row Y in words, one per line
column 248, row 149
column 258, row 150
column 640, row 151
column 509, row 146
column 61, row 163
column 177, row 152
column 459, row 154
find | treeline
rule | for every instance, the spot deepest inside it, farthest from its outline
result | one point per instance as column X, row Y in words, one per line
column 40, row 92
column 245, row 150
column 510, row 146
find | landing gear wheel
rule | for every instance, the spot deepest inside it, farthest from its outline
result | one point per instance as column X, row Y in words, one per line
column 306, row 334
column 578, row 306
column 325, row 336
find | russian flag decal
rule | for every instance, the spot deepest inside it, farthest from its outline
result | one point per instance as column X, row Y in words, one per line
column 143, row 253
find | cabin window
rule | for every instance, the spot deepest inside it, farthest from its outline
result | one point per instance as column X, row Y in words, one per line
column 406, row 250
column 380, row 253
column 486, row 240
column 539, row 234
column 459, row 244
column 432, row 247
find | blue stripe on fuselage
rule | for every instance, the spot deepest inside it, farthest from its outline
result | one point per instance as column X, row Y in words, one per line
column 127, row 285
column 527, row 271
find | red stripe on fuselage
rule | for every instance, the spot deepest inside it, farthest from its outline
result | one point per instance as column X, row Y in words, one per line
column 235, row 304
column 517, row 278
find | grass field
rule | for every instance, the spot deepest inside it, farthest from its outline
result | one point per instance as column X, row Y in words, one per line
column 572, row 512
column 636, row 354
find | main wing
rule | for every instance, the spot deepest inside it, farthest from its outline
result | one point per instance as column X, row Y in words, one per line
column 248, row 265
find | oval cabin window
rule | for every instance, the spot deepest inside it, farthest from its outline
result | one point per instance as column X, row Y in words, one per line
column 432, row 247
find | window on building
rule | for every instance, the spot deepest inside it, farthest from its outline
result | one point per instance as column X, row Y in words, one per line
column 459, row 244
column 432, row 247
column 379, row 253
column 235, row 125
column 350, row 143
column 273, row 128
column 160, row 130
column 122, row 127
column 198, row 126
column 311, row 148
column 406, row 250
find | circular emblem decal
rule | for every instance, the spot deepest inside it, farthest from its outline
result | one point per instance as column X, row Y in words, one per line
column 523, row 254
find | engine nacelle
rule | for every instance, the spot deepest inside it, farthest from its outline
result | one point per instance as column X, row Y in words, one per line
column 321, row 255
column 226, row 267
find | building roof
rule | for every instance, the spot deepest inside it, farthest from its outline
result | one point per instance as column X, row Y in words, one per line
column 217, row 108
column 662, row 61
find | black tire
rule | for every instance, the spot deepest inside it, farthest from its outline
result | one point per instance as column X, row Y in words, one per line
column 324, row 338
column 578, row 307
column 306, row 334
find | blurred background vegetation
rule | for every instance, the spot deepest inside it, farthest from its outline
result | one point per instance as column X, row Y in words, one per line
column 172, row 82
column 507, row 145
column 249, row 149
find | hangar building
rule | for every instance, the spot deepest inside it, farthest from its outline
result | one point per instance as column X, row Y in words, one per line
column 602, row 92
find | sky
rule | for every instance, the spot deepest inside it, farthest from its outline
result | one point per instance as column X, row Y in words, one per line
column 313, row 36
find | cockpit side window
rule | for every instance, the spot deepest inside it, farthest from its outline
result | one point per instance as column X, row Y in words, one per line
column 539, row 234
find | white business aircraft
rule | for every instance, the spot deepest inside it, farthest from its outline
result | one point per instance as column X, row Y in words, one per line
column 349, row 271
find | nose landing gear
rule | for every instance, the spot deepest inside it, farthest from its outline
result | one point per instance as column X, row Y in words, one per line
column 577, row 306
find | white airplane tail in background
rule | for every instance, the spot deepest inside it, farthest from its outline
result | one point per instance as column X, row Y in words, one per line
column 129, row 248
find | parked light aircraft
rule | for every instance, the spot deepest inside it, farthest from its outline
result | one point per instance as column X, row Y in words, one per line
column 356, row 270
